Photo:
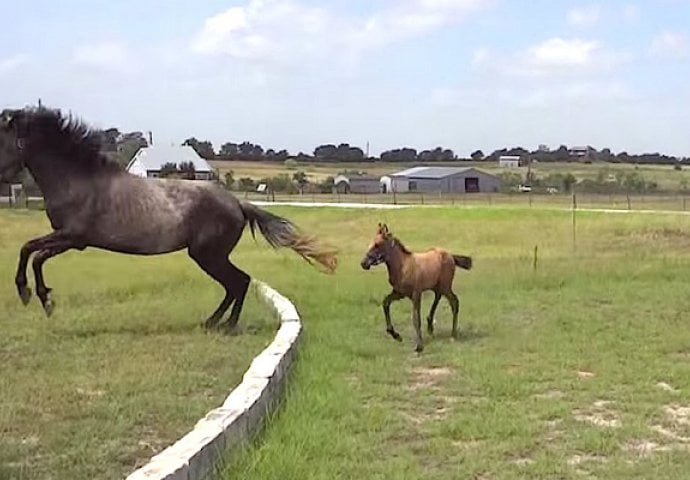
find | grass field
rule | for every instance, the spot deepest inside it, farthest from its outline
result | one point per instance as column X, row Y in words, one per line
column 122, row 368
column 576, row 370
column 664, row 175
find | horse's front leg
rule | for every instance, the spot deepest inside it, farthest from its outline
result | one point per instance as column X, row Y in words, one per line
column 27, row 249
column 417, row 320
column 390, row 298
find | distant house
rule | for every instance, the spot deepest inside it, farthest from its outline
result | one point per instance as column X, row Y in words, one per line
column 509, row 161
column 148, row 161
column 440, row 179
column 581, row 153
column 355, row 183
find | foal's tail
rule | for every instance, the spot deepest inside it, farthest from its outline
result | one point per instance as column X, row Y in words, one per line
column 463, row 261
column 280, row 232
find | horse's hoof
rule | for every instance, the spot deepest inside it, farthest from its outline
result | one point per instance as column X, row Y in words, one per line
column 24, row 294
column 419, row 348
column 48, row 306
column 394, row 334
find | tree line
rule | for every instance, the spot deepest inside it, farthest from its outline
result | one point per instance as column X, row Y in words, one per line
column 352, row 154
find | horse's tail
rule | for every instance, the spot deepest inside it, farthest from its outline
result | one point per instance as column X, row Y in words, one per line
column 280, row 232
column 463, row 261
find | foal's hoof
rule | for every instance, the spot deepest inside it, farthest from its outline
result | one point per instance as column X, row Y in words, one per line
column 430, row 329
column 24, row 294
column 419, row 349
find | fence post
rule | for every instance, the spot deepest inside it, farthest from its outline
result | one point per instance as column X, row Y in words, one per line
column 422, row 195
column 574, row 221
column 683, row 202
column 627, row 194
column 534, row 264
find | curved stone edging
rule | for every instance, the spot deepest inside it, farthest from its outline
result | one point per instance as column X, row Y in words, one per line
column 195, row 456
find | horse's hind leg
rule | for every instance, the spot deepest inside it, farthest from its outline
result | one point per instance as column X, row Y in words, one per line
column 27, row 249
column 239, row 286
column 455, row 307
column 417, row 321
column 216, row 265
column 42, row 291
column 390, row 298
column 432, row 312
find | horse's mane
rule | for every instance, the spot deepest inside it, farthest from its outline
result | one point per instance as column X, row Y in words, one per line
column 400, row 245
column 68, row 136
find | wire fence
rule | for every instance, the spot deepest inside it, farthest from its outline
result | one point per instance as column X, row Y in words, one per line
column 665, row 202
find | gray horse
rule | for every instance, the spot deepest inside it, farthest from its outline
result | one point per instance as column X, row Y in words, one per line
column 93, row 202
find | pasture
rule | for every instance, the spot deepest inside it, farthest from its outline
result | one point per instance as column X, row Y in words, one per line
column 578, row 369
column 122, row 368
column 664, row 176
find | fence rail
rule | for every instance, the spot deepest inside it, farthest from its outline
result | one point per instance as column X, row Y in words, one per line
column 671, row 202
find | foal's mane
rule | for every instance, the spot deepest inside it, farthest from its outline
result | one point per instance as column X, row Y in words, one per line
column 399, row 244
column 68, row 136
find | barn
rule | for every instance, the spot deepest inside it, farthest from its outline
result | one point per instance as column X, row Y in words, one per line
column 353, row 183
column 441, row 179
column 148, row 161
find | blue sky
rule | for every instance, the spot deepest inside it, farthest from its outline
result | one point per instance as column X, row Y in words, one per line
column 462, row 74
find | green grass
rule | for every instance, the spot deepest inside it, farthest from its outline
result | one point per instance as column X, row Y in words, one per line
column 122, row 368
column 555, row 375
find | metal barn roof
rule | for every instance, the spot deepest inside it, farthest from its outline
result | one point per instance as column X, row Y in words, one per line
column 431, row 172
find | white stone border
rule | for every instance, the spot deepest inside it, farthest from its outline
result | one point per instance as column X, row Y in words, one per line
column 196, row 455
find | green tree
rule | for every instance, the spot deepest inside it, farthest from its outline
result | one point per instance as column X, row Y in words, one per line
column 229, row 179
column 168, row 169
column 187, row 170
column 300, row 178
column 568, row 181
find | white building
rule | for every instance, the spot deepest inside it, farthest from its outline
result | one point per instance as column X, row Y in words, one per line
column 509, row 161
column 148, row 161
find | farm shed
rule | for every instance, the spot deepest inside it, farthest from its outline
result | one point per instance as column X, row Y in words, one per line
column 509, row 161
column 442, row 179
column 148, row 161
column 349, row 183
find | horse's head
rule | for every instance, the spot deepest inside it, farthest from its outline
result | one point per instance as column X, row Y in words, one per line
column 380, row 244
column 11, row 144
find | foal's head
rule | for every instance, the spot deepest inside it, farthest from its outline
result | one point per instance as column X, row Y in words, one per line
column 381, row 244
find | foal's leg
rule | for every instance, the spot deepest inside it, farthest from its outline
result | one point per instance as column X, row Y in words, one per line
column 432, row 312
column 455, row 307
column 42, row 291
column 390, row 298
column 27, row 249
column 216, row 265
column 239, row 286
column 417, row 320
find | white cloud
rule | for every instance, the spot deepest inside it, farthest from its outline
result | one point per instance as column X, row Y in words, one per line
column 561, row 53
column 670, row 45
column 288, row 31
column 584, row 16
column 11, row 64
column 108, row 56
column 573, row 93
column 553, row 57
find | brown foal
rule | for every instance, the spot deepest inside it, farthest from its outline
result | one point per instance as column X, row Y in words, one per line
column 412, row 273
